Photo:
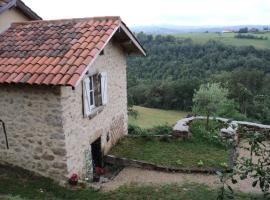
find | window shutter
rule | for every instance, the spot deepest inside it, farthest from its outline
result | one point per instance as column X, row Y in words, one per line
column 86, row 97
column 104, row 88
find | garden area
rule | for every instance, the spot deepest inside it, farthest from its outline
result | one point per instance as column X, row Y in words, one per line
column 203, row 150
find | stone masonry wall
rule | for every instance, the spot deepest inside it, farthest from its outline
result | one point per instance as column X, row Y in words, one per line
column 33, row 119
column 110, row 124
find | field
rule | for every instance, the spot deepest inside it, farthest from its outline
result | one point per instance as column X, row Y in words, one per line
column 229, row 39
column 149, row 117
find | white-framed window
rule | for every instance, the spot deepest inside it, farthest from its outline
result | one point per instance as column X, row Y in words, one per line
column 91, row 93
column 94, row 92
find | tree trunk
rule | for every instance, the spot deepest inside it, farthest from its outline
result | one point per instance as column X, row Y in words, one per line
column 207, row 122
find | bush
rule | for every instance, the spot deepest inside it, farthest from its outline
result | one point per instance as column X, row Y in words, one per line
column 157, row 130
column 160, row 130
column 135, row 130
column 211, row 135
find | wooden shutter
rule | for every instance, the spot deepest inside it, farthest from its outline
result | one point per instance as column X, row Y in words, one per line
column 104, row 88
column 86, row 97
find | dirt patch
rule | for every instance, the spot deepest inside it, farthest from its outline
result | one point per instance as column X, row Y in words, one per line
column 130, row 175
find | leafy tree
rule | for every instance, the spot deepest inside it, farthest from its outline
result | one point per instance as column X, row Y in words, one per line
column 209, row 100
column 243, row 30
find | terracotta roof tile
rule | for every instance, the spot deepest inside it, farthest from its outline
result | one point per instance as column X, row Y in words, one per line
column 53, row 52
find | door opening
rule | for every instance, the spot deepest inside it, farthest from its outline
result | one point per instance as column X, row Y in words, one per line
column 96, row 153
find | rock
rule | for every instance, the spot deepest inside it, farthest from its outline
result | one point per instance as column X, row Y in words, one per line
column 181, row 128
column 59, row 165
column 227, row 132
column 57, row 136
column 59, row 151
column 46, row 156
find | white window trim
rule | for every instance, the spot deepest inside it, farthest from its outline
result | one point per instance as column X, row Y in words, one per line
column 91, row 106
column 87, row 91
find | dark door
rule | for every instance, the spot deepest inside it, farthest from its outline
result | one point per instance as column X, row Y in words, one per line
column 96, row 153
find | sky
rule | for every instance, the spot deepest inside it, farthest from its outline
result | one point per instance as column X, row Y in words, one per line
column 160, row 12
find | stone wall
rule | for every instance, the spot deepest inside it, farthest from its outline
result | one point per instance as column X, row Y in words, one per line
column 110, row 124
column 33, row 120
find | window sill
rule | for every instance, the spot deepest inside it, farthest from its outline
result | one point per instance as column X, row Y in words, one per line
column 96, row 111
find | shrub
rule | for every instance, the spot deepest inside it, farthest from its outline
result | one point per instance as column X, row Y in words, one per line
column 210, row 135
column 135, row 130
column 160, row 130
column 157, row 130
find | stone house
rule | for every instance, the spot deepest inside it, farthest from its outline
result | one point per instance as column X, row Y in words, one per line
column 63, row 93
column 15, row 11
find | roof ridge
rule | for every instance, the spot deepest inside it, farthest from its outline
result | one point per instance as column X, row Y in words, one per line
column 67, row 19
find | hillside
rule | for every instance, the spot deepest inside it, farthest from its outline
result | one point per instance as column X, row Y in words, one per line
column 228, row 39
column 176, row 66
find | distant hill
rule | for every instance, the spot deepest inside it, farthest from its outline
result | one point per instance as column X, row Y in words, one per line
column 172, row 29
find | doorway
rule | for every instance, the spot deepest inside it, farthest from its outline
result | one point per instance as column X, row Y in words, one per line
column 97, row 153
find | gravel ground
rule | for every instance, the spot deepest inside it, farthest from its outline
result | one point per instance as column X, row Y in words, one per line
column 138, row 176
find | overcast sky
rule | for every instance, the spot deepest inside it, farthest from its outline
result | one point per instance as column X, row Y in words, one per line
column 154, row 12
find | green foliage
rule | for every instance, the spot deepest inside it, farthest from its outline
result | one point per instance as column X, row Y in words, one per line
column 210, row 135
column 250, row 36
column 135, row 130
column 156, row 130
column 223, row 192
column 209, row 99
column 243, row 30
column 132, row 112
column 250, row 90
column 175, row 67
column 256, row 166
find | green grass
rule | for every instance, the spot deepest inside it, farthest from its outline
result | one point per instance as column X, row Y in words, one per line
column 174, row 153
column 17, row 184
column 150, row 117
column 228, row 38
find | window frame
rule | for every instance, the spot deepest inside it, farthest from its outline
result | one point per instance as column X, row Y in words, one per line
column 91, row 93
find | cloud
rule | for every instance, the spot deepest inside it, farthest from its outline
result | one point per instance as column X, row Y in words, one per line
column 176, row 12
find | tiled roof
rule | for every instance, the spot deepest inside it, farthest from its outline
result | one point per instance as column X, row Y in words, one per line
column 7, row 4
column 53, row 52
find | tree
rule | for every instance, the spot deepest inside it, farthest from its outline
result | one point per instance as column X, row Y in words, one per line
column 209, row 100
column 243, row 30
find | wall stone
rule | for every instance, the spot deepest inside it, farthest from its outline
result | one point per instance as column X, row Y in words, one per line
column 110, row 123
column 33, row 119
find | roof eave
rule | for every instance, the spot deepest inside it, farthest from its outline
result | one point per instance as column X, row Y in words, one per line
column 27, row 11
column 133, row 39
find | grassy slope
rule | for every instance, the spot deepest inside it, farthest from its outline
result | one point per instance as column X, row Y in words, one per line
column 19, row 183
column 149, row 117
column 228, row 38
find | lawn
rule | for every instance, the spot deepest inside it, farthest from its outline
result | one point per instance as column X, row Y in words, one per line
column 149, row 117
column 17, row 184
column 228, row 38
column 204, row 147
column 174, row 153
